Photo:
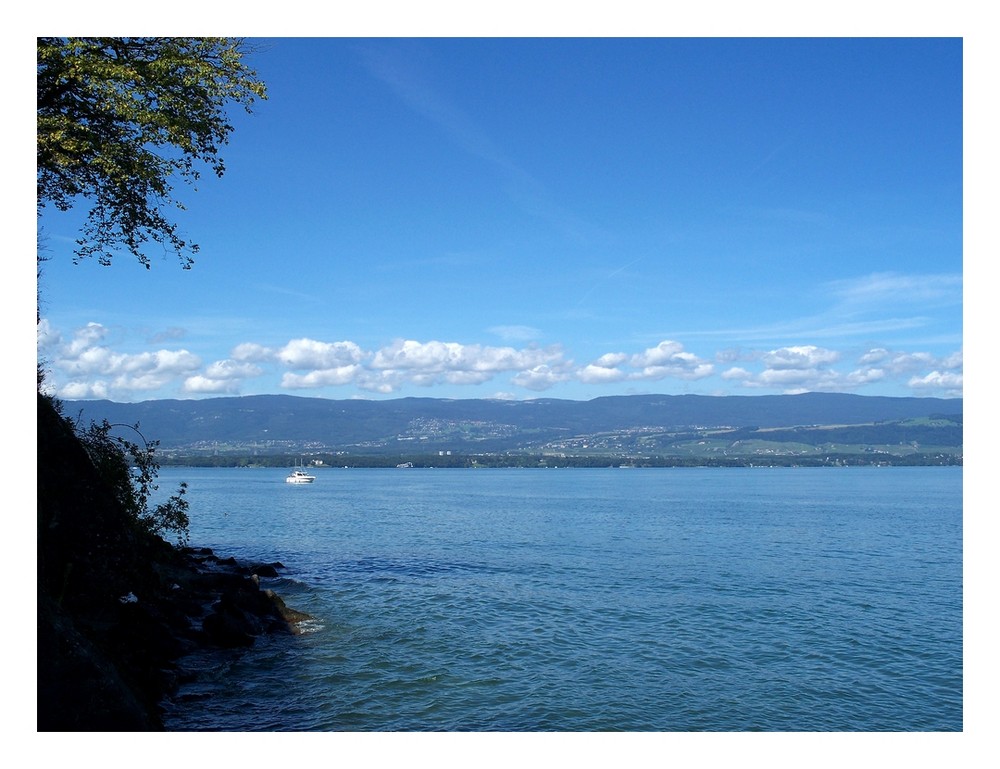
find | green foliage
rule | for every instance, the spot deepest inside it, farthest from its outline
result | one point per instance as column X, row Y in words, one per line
column 130, row 471
column 120, row 117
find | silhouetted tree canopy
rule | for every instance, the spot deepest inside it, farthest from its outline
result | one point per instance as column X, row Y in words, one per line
column 122, row 118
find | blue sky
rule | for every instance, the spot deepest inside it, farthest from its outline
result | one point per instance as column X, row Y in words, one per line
column 568, row 218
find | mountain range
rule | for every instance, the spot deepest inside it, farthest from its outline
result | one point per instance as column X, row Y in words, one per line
column 283, row 424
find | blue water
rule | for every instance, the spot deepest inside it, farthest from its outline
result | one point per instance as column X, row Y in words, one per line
column 590, row 600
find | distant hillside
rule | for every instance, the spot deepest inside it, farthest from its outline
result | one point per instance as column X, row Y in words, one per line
column 272, row 424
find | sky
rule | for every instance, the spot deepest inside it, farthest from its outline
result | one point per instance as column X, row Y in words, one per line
column 549, row 217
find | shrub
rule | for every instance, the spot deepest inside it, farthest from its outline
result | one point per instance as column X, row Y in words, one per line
column 130, row 470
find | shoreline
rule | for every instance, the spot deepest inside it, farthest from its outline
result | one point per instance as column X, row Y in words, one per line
column 114, row 671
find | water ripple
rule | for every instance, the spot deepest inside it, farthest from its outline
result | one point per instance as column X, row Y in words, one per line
column 595, row 601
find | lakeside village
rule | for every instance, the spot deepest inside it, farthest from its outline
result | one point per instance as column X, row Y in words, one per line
column 639, row 447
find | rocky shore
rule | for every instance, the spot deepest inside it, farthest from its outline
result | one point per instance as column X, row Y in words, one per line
column 112, row 671
column 118, row 606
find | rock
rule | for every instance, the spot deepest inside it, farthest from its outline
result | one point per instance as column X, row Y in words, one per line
column 291, row 617
column 229, row 627
column 266, row 569
column 118, row 607
column 80, row 687
column 244, row 611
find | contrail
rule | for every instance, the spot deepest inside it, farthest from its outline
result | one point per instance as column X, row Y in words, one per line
column 606, row 278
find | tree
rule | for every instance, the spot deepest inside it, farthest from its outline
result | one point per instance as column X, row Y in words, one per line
column 121, row 118
column 130, row 472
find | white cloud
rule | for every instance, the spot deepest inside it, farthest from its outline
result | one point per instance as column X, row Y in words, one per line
column 665, row 352
column 736, row 373
column 866, row 376
column 403, row 362
column 376, row 386
column 424, row 364
column 595, row 374
column 160, row 362
column 901, row 363
column 338, row 375
column 231, row 369
column 884, row 287
column 461, row 378
column 875, row 356
column 48, row 336
column 85, row 338
column 937, row 380
column 301, row 354
column 541, row 377
column 897, row 363
column 667, row 360
column 94, row 360
column 420, row 356
column 682, row 369
column 788, row 377
column 86, row 364
column 434, row 357
column 790, row 380
column 250, row 351
column 204, row 385
column 799, row 357
column 223, row 376
column 84, row 367
column 611, row 359
column 84, row 390
column 516, row 333
column 807, row 369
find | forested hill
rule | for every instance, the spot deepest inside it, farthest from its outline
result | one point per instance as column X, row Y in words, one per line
column 274, row 423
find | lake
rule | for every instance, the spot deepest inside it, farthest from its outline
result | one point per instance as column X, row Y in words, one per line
column 673, row 599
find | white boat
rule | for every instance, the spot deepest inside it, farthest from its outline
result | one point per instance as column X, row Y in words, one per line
column 298, row 475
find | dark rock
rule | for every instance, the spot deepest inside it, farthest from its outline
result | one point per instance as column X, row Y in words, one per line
column 80, row 687
column 229, row 627
column 118, row 608
column 290, row 617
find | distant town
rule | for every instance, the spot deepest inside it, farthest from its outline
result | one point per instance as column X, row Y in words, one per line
column 819, row 429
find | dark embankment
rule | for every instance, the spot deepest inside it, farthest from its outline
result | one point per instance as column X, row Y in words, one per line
column 118, row 608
